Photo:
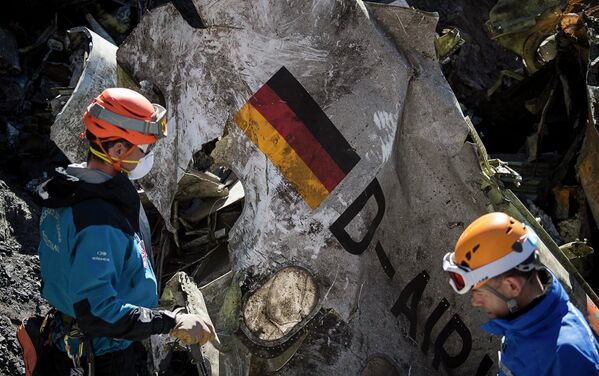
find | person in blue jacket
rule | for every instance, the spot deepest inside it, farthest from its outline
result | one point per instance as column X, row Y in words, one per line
column 95, row 246
column 497, row 259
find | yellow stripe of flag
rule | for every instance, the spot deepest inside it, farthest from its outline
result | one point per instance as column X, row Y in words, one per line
column 281, row 154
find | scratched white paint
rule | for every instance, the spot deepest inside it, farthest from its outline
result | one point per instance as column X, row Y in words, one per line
column 99, row 72
column 385, row 121
column 405, row 128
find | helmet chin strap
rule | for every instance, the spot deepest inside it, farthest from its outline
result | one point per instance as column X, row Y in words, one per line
column 115, row 162
column 512, row 304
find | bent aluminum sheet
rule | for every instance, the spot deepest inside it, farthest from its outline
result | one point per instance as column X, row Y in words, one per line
column 99, row 73
column 400, row 182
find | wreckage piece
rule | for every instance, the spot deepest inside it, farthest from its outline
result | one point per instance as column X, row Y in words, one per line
column 180, row 292
column 580, row 254
column 448, row 43
column 204, row 240
column 366, row 208
column 223, row 301
column 207, row 206
column 200, row 184
column 99, row 72
column 522, row 26
column 587, row 166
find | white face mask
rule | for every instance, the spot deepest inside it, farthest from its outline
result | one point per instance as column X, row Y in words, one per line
column 143, row 167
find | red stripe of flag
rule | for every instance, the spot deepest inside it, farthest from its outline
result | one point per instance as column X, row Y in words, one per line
column 293, row 130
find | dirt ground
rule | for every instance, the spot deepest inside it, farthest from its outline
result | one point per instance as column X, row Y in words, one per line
column 19, row 270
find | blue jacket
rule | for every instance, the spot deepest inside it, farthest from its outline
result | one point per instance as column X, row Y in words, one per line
column 94, row 263
column 552, row 338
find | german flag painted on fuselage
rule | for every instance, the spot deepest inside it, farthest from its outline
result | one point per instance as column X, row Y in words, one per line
column 289, row 127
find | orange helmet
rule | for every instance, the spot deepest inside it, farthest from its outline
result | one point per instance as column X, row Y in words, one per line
column 119, row 113
column 490, row 246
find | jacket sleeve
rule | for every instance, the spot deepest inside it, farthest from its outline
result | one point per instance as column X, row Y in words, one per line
column 569, row 360
column 98, row 258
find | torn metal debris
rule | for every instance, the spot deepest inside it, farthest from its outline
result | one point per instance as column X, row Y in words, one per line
column 98, row 71
column 310, row 260
column 522, row 26
column 581, row 256
column 180, row 292
column 447, row 43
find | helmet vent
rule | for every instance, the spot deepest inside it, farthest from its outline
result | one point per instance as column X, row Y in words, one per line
column 465, row 264
column 517, row 247
column 476, row 247
column 469, row 255
column 509, row 229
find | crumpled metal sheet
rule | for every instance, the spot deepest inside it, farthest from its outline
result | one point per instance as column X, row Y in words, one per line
column 374, row 243
column 587, row 167
column 521, row 26
column 448, row 43
column 99, row 72
column 181, row 292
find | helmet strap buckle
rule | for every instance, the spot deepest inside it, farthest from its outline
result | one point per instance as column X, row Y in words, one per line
column 512, row 305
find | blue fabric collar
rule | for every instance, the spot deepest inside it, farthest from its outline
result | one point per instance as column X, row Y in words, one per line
column 552, row 307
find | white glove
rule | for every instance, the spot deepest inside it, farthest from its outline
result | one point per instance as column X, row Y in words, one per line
column 192, row 329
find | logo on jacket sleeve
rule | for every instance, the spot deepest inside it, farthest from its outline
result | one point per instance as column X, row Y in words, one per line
column 142, row 251
column 101, row 256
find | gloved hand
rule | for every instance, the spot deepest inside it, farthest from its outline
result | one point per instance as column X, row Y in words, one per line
column 192, row 329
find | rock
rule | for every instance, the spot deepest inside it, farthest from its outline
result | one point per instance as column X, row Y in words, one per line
column 9, row 54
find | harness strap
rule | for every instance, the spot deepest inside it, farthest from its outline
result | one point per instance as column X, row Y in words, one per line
column 72, row 330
